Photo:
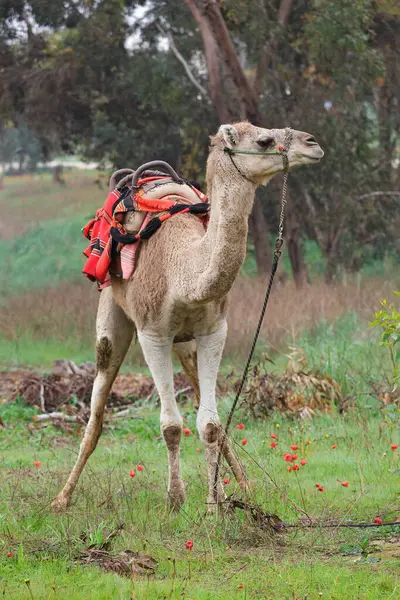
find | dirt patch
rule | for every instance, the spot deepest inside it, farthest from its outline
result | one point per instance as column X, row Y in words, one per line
column 68, row 388
column 297, row 391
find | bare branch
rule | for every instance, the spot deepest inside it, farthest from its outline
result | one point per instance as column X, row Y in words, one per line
column 184, row 62
column 376, row 194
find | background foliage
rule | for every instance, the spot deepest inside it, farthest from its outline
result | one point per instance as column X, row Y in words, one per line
column 109, row 79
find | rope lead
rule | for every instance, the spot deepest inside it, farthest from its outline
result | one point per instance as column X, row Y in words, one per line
column 277, row 254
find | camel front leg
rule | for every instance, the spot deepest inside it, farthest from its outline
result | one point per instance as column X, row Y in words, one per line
column 209, row 352
column 187, row 354
column 114, row 333
column 158, row 354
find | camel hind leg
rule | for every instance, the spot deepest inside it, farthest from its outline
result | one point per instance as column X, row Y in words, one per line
column 114, row 333
column 187, row 355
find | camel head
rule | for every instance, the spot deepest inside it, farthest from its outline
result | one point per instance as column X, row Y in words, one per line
column 258, row 168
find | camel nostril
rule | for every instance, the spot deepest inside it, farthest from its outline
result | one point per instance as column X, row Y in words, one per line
column 311, row 140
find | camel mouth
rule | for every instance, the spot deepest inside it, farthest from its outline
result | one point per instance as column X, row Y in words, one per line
column 313, row 157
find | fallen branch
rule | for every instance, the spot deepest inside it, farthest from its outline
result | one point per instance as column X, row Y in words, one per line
column 341, row 525
column 123, row 414
column 41, row 398
column 266, row 519
column 183, row 391
column 56, row 415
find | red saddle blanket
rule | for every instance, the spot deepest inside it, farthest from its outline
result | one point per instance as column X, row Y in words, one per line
column 112, row 249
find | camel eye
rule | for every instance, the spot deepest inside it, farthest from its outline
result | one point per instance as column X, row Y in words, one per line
column 265, row 143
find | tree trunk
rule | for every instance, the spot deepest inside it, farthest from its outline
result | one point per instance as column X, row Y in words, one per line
column 331, row 267
column 295, row 250
column 260, row 236
column 385, row 133
column 218, row 43
column 246, row 94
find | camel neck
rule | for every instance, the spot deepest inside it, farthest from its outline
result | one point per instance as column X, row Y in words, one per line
column 223, row 248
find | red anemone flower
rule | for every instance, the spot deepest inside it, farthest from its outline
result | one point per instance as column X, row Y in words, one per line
column 294, row 447
column 274, row 436
column 240, row 426
column 132, row 474
column 244, row 442
column 378, row 521
column 37, row 463
column 296, row 467
column 139, row 467
column 189, row 545
column 345, row 483
column 303, row 462
column 187, row 431
column 334, row 447
column 227, row 480
column 394, row 447
column 273, row 444
column 9, row 554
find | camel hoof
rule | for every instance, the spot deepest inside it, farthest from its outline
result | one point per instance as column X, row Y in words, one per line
column 176, row 497
column 60, row 503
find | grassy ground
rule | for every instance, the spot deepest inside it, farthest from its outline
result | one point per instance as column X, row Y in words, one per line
column 228, row 551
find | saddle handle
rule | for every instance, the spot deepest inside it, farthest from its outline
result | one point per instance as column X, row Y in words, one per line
column 160, row 164
column 112, row 185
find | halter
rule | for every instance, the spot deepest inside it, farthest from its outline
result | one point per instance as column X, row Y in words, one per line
column 282, row 151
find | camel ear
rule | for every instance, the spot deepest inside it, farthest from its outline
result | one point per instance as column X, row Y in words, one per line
column 229, row 135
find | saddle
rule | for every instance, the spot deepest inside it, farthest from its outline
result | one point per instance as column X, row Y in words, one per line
column 134, row 210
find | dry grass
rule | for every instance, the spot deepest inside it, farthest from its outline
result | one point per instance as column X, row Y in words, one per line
column 69, row 310
column 291, row 311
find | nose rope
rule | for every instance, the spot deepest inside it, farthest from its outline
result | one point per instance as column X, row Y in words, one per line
column 277, row 253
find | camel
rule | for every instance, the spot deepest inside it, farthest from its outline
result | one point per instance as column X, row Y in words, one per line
column 177, row 299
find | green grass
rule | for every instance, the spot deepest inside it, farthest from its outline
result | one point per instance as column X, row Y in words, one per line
column 44, row 257
column 41, row 242
column 25, row 350
column 348, row 351
column 228, row 551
